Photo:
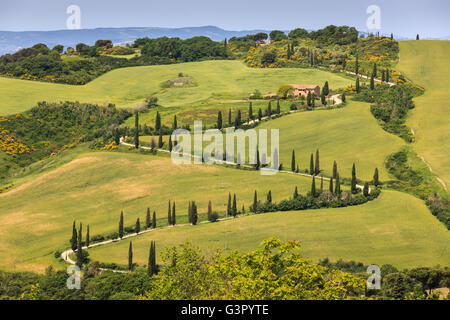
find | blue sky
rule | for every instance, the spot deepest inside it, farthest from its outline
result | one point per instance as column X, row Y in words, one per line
column 403, row 18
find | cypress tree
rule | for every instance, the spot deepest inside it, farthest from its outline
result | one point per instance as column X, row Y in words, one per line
column 269, row 196
column 194, row 213
column 229, row 118
column 190, row 212
column 136, row 130
column 169, row 216
column 376, row 181
column 175, row 123
column 358, row 89
column 354, row 189
column 219, row 120
column 374, row 71
column 229, row 205
column 138, row 226
column 317, row 166
column 383, row 76
column 321, row 184
column 322, row 98
column 334, row 169
column 343, row 97
column 372, row 83
column 170, row 143
column 417, row 37
column 387, row 75
column 269, row 109
column 87, row 237
column 356, row 66
column 130, row 257
column 313, row 100
column 209, row 210
column 337, row 191
column 74, row 241
column 278, row 106
column 150, row 270
column 313, row 187
column 255, row 202
column 297, row 170
column 237, row 121
column 154, row 220
column 158, row 122
column 331, row 185
column 160, row 140
column 147, row 219
column 234, row 207
column 392, row 36
column 311, row 165
column 173, row 214
column 293, row 161
column 258, row 161
column 79, row 262
column 296, row 193
column 121, row 225
column 259, row 114
column 366, row 189
column 250, row 111
column 308, row 99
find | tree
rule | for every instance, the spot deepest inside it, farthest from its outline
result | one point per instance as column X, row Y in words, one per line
column 209, row 209
column 136, row 130
column 269, row 196
column 259, row 114
column 250, row 111
column 158, row 122
column 298, row 33
column 151, row 101
column 376, row 182
column 317, row 166
column 269, row 57
column 326, row 89
column 194, row 218
column 321, row 184
column 160, row 140
column 372, row 83
column 175, row 123
column 74, row 241
column 269, row 109
column 337, row 191
column 313, row 186
column 87, row 237
column 255, row 202
column 130, row 257
column 331, row 185
column 258, row 161
column 296, row 193
column 151, row 265
column 138, row 226
column 308, row 99
column 311, row 165
column 229, row 117
column 121, row 225
column 277, row 35
column 278, row 106
column 323, row 99
column 358, row 89
column 237, row 121
column 148, row 219
column 313, row 100
column 354, row 188
column 58, row 48
column 357, row 67
column 234, row 207
column 154, row 220
column 285, row 90
column 366, row 189
column 374, row 71
column 229, row 205
column 173, row 214
column 219, row 120
column 169, row 216
column 170, row 143
column 334, row 169
column 343, row 97
column 417, row 37
column 293, row 161
column 387, row 75
column 79, row 261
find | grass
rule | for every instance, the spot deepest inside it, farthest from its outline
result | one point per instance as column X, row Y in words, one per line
column 427, row 64
column 347, row 135
column 93, row 187
column 217, row 81
column 396, row 228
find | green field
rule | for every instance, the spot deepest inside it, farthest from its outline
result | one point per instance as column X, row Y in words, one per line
column 217, row 83
column 94, row 187
column 427, row 64
column 396, row 228
column 347, row 135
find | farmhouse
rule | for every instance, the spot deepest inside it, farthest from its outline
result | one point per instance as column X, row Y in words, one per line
column 302, row 89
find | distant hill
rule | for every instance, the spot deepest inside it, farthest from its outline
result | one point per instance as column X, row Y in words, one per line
column 12, row 41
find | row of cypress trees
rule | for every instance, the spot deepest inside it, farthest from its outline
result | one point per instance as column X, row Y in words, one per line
column 151, row 265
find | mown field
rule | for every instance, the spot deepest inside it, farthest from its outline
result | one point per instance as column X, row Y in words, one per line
column 427, row 64
column 396, row 228
column 217, row 82
column 93, row 187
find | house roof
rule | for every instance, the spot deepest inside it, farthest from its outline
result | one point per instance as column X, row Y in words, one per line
column 304, row 86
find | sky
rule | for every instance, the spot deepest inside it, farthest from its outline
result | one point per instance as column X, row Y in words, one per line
column 402, row 17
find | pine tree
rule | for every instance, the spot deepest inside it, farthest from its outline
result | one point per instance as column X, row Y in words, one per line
column 366, row 189
column 88, row 239
column 229, row 205
column 234, row 207
column 358, row 89
column 317, row 166
column 334, row 169
column 158, row 122
column 337, row 191
column 121, row 225
column 219, row 120
column 175, row 123
column 293, row 161
column 74, row 241
column 326, row 89
column 169, row 216
column 376, row 182
column 331, row 185
column 170, row 143
column 209, row 210
column 255, row 202
column 136, row 130
column 160, row 140
column 311, row 165
column 354, row 189
column 154, row 220
column 173, row 214
column 130, row 257
column 79, row 262
column 313, row 187
column 250, row 111
column 296, row 193
column 147, row 219
column 269, row 197
column 138, row 226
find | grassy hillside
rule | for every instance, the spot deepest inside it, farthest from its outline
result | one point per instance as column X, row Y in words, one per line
column 347, row 135
column 427, row 63
column 93, row 187
column 396, row 229
column 215, row 81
